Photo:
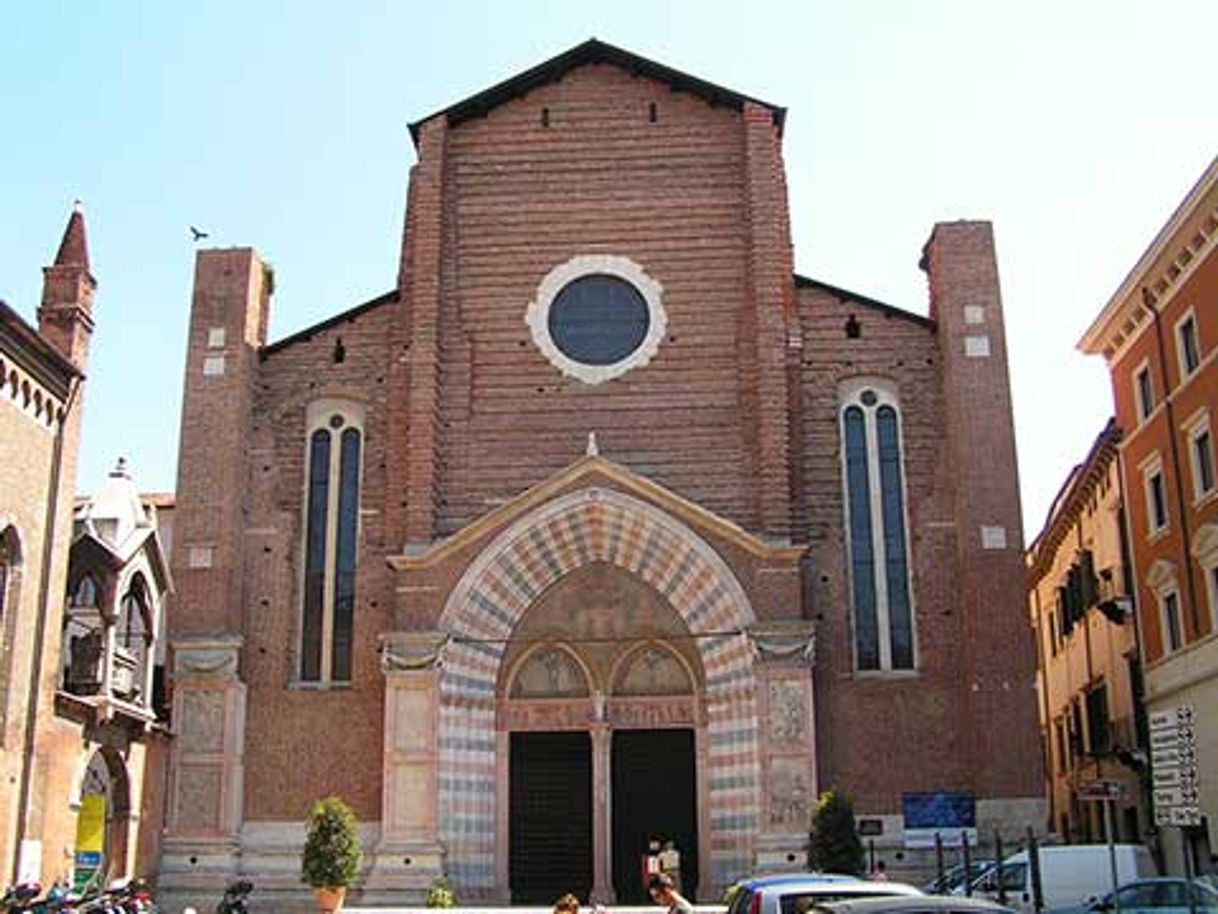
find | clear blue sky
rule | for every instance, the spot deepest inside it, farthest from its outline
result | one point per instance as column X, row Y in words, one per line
column 1075, row 127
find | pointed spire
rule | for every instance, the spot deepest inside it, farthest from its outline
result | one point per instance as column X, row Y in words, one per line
column 65, row 317
column 74, row 249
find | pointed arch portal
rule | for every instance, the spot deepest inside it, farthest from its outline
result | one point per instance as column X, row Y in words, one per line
column 594, row 525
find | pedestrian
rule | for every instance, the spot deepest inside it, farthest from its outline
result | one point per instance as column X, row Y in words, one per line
column 650, row 863
column 879, row 873
column 670, row 864
column 567, row 904
column 663, row 892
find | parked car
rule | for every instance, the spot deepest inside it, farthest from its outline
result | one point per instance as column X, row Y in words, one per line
column 954, row 878
column 1070, row 874
column 1160, row 895
column 912, row 904
column 796, row 893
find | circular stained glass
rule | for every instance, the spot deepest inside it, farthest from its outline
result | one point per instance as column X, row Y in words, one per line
column 598, row 319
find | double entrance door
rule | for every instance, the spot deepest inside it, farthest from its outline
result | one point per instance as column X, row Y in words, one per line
column 552, row 819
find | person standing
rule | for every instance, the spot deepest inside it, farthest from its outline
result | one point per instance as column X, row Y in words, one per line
column 650, row 863
column 670, row 864
column 663, row 892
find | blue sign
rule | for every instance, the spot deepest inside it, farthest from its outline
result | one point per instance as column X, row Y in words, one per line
column 952, row 816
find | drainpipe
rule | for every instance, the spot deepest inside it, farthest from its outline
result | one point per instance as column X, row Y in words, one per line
column 1047, row 739
column 1141, row 723
column 40, row 623
column 1148, row 301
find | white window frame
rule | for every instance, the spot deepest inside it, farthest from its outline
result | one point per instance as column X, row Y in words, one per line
column 1186, row 320
column 1163, row 583
column 850, row 394
column 1205, row 551
column 537, row 315
column 1145, row 404
column 317, row 418
column 1152, row 467
column 1195, row 427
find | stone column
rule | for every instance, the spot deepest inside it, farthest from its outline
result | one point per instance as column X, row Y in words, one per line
column 409, row 856
column 602, row 824
column 785, row 654
column 206, row 789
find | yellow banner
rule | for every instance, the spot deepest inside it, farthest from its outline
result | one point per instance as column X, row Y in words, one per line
column 91, row 824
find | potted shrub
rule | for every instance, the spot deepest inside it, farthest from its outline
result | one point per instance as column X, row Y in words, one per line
column 441, row 894
column 331, row 853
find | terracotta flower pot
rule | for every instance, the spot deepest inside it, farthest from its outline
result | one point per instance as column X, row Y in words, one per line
column 330, row 898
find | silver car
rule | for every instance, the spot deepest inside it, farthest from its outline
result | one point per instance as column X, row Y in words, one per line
column 797, row 893
column 928, row 904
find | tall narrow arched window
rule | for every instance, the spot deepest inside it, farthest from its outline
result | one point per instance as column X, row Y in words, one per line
column 873, row 475
column 134, row 620
column 9, row 556
column 331, row 529
column 133, row 637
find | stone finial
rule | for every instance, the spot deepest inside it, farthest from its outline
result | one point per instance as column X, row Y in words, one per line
column 593, row 450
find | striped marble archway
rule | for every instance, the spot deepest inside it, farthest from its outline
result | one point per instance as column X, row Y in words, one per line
column 593, row 525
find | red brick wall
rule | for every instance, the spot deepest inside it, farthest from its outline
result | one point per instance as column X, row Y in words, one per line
column 998, row 726
column 230, row 293
column 285, row 719
column 860, row 719
column 521, row 199
column 464, row 414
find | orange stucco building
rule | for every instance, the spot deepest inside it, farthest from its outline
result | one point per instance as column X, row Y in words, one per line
column 1159, row 337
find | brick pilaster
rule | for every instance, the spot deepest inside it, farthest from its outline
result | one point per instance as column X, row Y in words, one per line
column 768, row 321
column 227, row 328
column 997, row 650
column 413, row 420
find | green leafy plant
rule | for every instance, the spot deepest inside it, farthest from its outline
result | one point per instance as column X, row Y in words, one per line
column 835, row 845
column 441, row 895
column 331, row 852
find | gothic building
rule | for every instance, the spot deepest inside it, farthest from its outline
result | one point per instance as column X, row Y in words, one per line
column 81, row 596
column 600, row 525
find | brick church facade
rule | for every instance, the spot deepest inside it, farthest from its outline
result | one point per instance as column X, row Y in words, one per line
column 602, row 525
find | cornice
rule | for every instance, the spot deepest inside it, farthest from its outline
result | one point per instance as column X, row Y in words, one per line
column 1185, row 241
column 1066, row 508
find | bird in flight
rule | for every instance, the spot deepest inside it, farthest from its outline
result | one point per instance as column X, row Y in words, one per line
column 198, row 235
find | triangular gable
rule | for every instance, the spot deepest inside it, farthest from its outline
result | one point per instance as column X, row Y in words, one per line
column 590, row 52
column 597, row 469
column 845, row 295
column 90, row 550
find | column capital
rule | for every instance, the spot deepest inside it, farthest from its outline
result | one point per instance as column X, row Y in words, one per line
column 786, row 642
column 404, row 652
column 206, row 655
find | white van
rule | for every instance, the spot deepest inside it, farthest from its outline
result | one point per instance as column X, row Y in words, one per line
column 1070, row 874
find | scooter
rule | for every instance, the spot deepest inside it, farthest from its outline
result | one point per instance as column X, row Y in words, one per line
column 20, row 897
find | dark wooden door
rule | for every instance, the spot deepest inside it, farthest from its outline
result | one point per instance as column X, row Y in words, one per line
column 550, row 817
column 654, row 797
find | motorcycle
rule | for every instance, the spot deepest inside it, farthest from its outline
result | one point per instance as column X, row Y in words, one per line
column 20, row 897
